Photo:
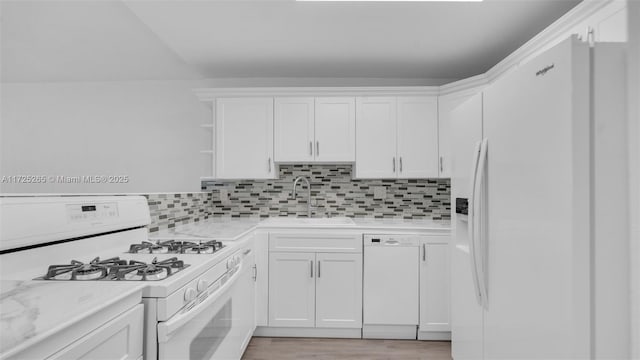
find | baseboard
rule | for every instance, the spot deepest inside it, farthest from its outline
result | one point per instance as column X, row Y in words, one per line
column 434, row 335
column 308, row 332
column 400, row 332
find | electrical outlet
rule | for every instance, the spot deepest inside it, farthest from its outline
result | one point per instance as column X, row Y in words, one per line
column 379, row 192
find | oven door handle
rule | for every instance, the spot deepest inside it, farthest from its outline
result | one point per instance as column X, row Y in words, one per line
column 167, row 328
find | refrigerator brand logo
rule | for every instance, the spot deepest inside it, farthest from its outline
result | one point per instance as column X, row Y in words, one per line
column 544, row 71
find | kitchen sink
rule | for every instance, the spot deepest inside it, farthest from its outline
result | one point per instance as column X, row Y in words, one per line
column 324, row 221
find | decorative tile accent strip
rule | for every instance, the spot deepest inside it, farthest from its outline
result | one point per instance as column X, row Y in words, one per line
column 334, row 192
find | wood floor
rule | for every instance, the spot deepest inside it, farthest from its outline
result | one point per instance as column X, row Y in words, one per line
column 263, row 348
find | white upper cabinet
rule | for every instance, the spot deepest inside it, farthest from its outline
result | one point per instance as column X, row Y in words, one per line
column 335, row 129
column 417, row 137
column 244, row 138
column 446, row 104
column 294, row 123
column 376, row 137
column 318, row 129
column 397, row 137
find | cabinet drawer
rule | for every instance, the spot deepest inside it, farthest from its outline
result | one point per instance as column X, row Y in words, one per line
column 322, row 242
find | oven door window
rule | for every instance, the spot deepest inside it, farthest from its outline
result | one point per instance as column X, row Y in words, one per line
column 207, row 341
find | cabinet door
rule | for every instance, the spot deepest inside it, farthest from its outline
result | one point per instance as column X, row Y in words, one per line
column 446, row 104
column 335, row 129
column 120, row 338
column 292, row 289
column 417, row 137
column 339, row 290
column 434, row 285
column 244, row 138
column 293, row 129
column 376, row 137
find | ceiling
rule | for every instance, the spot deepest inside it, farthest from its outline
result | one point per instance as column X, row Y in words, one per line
column 285, row 39
column 278, row 41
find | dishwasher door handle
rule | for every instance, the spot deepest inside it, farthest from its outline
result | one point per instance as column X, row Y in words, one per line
column 392, row 242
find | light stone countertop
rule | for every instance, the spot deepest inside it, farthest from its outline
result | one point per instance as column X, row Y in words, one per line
column 230, row 229
column 223, row 229
column 31, row 311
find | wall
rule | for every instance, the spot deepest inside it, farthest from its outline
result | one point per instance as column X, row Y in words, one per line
column 87, row 90
column 331, row 186
column 144, row 130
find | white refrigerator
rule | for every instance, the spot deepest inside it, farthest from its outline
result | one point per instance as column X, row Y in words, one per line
column 539, row 262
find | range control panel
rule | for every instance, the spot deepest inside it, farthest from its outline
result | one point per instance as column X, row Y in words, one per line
column 91, row 211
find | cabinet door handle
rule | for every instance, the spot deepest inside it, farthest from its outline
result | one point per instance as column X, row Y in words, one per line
column 311, row 267
column 255, row 272
column 394, row 164
column 441, row 164
column 318, row 269
column 317, row 148
column 269, row 164
column 400, row 163
column 310, row 147
column 424, row 252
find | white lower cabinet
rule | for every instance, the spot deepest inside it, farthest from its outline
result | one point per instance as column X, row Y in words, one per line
column 292, row 290
column 315, row 285
column 435, row 320
column 339, row 290
column 120, row 338
column 315, row 290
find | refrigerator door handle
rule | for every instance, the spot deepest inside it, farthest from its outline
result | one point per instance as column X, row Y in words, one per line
column 479, row 226
column 471, row 222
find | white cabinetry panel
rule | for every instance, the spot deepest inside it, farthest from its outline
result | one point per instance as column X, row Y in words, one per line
column 434, row 285
column 417, row 137
column 397, row 137
column 335, row 129
column 293, row 129
column 120, row 338
column 339, row 290
column 446, row 104
column 244, row 138
column 311, row 284
column 292, row 290
column 376, row 137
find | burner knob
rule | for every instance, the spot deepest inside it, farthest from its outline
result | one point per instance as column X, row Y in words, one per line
column 190, row 294
column 231, row 263
column 202, row 285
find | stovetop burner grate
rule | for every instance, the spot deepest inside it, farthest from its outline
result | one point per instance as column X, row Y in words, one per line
column 115, row 269
column 176, row 247
column 141, row 271
column 96, row 269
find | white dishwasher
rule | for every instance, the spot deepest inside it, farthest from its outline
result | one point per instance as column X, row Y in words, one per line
column 391, row 287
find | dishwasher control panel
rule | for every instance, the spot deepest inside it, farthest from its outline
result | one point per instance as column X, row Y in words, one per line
column 391, row 240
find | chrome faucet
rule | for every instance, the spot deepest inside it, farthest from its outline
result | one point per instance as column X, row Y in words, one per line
column 295, row 183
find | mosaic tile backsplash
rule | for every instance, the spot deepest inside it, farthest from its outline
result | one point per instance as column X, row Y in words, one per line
column 167, row 210
column 333, row 192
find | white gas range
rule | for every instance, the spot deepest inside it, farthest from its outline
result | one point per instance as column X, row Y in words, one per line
column 198, row 294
